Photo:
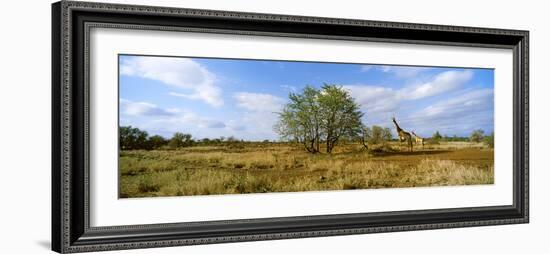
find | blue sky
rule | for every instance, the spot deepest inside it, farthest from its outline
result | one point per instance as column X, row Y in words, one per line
column 210, row 98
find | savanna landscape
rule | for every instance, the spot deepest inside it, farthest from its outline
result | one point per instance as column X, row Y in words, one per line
column 271, row 167
column 322, row 137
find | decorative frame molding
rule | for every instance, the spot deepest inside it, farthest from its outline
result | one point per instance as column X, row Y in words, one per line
column 71, row 22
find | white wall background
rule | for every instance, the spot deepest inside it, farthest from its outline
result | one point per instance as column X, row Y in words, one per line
column 25, row 128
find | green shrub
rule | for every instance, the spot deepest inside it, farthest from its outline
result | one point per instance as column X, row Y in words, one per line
column 490, row 140
column 477, row 136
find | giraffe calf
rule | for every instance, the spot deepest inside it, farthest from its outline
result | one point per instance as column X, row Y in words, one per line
column 418, row 139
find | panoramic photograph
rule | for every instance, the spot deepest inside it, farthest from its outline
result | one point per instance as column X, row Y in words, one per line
column 212, row 126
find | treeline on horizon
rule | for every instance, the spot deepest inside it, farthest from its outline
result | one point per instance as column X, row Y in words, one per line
column 132, row 138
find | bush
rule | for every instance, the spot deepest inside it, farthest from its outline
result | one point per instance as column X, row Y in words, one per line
column 477, row 136
column 490, row 140
column 156, row 142
column 432, row 141
column 181, row 140
column 132, row 138
column 377, row 134
column 382, row 149
column 436, row 137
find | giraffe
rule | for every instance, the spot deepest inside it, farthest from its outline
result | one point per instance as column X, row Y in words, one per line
column 418, row 139
column 403, row 135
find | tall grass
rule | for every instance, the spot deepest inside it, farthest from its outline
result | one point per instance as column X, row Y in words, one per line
column 286, row 168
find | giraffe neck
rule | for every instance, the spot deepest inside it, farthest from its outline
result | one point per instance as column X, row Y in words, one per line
column 397, row 126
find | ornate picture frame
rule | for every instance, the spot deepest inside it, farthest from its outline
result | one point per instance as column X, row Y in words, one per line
column 71, row 24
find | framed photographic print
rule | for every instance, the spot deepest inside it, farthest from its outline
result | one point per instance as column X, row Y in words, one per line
column 182, row 126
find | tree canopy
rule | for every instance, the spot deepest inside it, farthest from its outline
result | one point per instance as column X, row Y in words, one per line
column 477, row 136
column 180, row 140
column 320, row 115
column 132, row 138
column 377, row 134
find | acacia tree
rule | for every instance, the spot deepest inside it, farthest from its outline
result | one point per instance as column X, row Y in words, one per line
column 477, row 136
column 436, row 137
column 340, row 115
column 328, row 114
column 180, row 140
column 299, row 120
column 386, row 134
column 377, row 134
column 132, row 138
column 156, row 142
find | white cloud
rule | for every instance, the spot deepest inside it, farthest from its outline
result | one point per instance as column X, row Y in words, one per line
column 461, row 114
column 443, row 82
column 289, row 88
column 374, row 99
column 259, row 125
column 260, row 114
column 188, row 120
column 156, row 120
column 458, row 115
column 379, row 99
column 251, row 125
column 380, row 103
column 213, row 124
column 366, row 68
column 182, row 73
column 403, row 71
column 142, row 109
column 477, row 100
column 237, row 127
column 258, row 102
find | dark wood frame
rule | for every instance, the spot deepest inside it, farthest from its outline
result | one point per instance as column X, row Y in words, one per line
column 71, row 22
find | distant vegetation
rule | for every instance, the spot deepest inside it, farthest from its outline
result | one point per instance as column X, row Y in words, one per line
column 477, row 136
column 436, row 138
column 490, row 140
column 377, row 134
column 132, row 138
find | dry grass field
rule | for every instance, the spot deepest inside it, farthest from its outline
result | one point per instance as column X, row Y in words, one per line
column 280, row 167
